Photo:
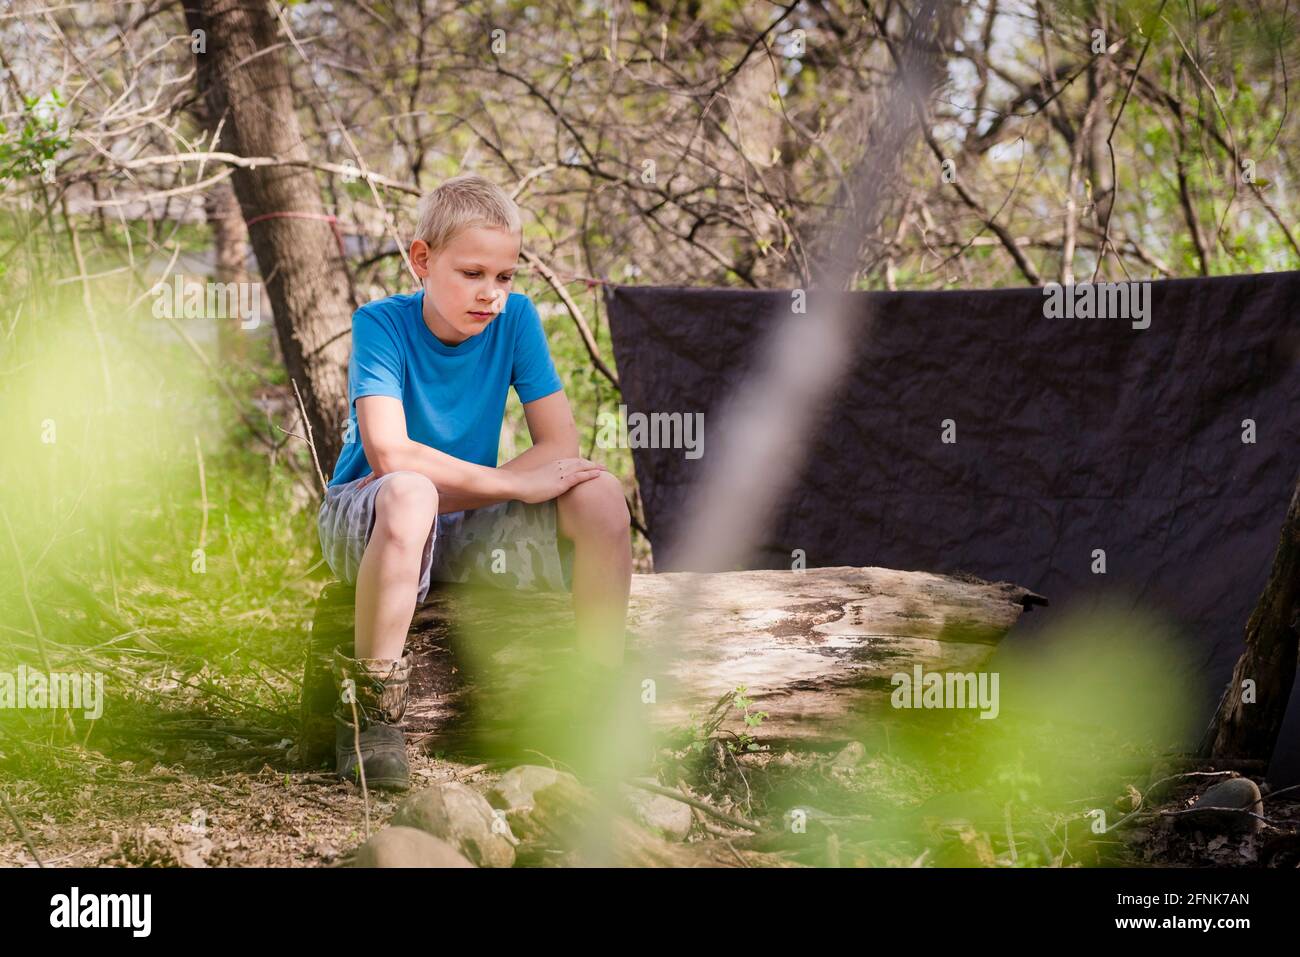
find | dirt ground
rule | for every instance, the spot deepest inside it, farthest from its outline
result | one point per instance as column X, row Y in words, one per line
column 129, row 814
column 220, row 806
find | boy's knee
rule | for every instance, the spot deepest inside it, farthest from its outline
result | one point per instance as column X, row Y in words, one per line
column 406, row 501
column 597, row 505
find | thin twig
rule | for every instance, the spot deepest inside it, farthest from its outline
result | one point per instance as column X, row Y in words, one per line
column 1110, row 147
column 707, row 808
column 1154, row 786
column 1273, row 794
column 86, row 301
column 203, row 493
column 1216, row 810
column 254, row 162
column 361, row 767
column 311, row 442
column 342, row 128
column 27, row 598
column 22, row 831
column 588, row 340
column 731, row 847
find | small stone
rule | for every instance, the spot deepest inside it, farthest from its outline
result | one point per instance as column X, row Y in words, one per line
column 461, row 816
column 516, row 788
column 850, row 756
column 1236, row 794
column 670, row 819
column 407, row 847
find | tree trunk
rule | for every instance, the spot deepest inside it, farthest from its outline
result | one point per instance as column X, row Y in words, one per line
column 1249, row 728
column 298, row 255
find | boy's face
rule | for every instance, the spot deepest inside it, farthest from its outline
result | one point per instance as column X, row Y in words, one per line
column 466, row 283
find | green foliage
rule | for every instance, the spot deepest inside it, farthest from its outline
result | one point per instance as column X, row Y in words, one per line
column 744, row 740
column 701, row 729
column 36, row 141
column 104, row 513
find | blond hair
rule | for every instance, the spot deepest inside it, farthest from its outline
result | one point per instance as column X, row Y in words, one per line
column 464, row 202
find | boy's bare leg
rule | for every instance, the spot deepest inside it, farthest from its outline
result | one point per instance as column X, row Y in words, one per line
column 388, row 579
column 594, row 516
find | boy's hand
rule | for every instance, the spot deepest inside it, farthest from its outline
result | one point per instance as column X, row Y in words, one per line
column 545, row 482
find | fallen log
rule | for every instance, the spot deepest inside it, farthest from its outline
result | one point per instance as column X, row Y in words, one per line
column 815, row 649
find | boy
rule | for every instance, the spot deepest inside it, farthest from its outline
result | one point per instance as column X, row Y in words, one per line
column 416, row 493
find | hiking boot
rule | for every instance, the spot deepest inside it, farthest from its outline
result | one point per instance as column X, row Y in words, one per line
column 379, row 686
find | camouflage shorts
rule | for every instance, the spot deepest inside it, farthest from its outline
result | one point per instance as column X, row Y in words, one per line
column 510, row 544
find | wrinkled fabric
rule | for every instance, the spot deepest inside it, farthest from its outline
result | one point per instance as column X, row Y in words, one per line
column 510, row 544
column 1072, row 435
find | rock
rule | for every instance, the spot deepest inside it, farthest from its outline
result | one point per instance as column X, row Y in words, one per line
column 515, row 790
column 407, row 847
column 850, row 756
column 1237, row 794
column 461, row 816
column 670, row 819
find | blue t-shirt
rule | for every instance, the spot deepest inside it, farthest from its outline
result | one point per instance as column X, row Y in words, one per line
column 454, row 396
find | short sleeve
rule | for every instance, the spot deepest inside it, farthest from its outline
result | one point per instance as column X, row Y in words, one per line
column 376, row 364
column 533, row 375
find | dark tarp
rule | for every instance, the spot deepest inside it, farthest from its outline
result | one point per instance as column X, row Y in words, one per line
column 1072, row 435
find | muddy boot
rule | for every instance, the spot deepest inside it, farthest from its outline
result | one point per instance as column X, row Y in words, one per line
column 380, row 700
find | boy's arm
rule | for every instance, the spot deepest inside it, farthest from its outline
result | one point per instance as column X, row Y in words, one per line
column 382, row 423
column 554, row 433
